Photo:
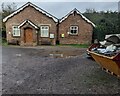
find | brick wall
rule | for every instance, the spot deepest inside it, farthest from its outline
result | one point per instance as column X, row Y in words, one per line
column 84, row 30
column 36, row 17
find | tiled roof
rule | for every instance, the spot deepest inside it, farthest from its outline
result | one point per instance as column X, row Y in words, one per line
column 75, row 10
column 34, row 6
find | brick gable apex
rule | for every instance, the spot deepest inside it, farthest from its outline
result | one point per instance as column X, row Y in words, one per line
column 34, row 6
column 78, row 12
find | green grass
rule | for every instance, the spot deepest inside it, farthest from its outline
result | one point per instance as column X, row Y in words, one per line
column 0, row 41
column 3, row 42
column 76, row 45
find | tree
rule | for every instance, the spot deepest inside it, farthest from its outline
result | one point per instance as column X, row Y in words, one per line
column 90, row 10
column 106, row 23
column 6, row 10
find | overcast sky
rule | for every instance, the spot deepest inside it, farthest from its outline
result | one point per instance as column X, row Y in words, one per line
column 59, row 8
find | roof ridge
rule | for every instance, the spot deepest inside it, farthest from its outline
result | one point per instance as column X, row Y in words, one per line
column 42, row 9
column 78, row 12
column 75, row 9
column 33, row 5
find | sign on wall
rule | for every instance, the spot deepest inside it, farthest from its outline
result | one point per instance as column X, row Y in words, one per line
column 52, row 36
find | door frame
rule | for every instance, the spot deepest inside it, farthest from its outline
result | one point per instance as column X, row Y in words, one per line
column 25, row 34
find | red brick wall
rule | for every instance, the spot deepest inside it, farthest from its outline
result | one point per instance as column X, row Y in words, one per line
column 36, row 17
column 84, row 30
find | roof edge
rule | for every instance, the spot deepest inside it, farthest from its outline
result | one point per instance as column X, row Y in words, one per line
column 31, row 23
column 33, row 5
column 78, row 12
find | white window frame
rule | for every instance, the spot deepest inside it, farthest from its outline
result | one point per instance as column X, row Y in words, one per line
column 43, row 29
column 15, row 31
column 74, row 28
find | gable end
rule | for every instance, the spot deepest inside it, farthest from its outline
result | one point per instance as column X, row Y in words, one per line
column 34, row 6
column 72, row 12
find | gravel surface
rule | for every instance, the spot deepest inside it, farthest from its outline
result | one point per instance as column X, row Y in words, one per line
column 53, row 70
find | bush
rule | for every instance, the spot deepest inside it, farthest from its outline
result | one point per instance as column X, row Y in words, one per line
column 3, row 42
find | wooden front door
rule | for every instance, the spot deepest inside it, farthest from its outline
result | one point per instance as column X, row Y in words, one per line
column 28, row 35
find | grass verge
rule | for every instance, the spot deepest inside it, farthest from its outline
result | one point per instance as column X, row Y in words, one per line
column 76, row 45
column 3, row 42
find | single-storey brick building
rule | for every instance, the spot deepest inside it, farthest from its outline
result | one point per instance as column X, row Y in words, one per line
column 74, row 28
column 30, row 25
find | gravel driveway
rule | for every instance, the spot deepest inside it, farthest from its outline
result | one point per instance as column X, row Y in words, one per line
column 53, row 70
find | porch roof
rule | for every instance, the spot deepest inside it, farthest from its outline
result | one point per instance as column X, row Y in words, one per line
column 30, row 22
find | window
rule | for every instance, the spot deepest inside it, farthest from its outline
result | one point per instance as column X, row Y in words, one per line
column 44, row 31
column 16, row 31
column 74, row 30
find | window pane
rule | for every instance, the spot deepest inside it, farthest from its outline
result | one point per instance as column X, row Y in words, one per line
column 72, row 27
column 74, row 30
column 42, row 27
column 44, row 31
column 46, row 27
column 16, row 26
column 16, row 31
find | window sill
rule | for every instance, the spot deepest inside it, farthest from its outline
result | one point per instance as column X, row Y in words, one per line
column 73, row 34
column 16, row 36
column 44, row 37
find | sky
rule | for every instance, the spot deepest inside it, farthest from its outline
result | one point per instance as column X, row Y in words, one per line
column 60, row 8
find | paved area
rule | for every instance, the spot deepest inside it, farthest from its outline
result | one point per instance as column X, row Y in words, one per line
column 53, row 70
